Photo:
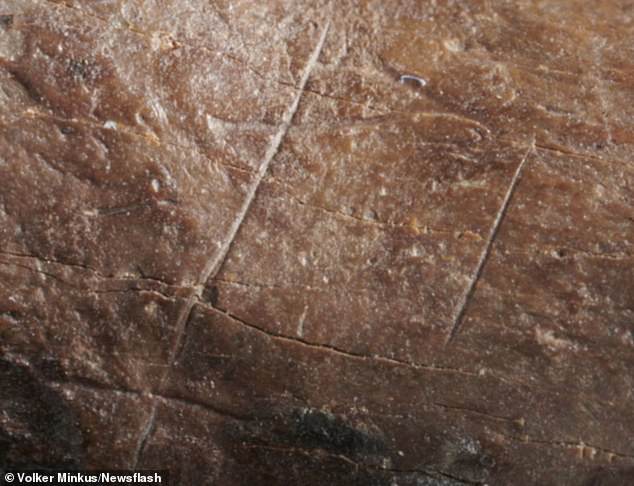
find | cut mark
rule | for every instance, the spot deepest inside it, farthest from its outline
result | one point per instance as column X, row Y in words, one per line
column 213, row 265
column 145, row 435
column 464, row 303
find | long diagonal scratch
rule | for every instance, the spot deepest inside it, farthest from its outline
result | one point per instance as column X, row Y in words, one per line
column 213, row 265
column 484, row 256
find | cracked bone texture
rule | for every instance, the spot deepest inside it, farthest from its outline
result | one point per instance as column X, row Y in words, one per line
column 319, row 243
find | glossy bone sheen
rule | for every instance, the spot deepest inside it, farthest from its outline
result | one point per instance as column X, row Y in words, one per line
column 319, row 243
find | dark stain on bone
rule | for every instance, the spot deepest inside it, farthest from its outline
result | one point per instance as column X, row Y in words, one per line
column 47, row 426
column 6, row 21
column 317, row 429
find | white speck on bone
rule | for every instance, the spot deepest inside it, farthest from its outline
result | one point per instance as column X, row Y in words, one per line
column 300, row 323
column 410, row 77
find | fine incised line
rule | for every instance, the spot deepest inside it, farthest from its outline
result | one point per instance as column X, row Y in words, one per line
column 214, row 264
column 484, row 256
